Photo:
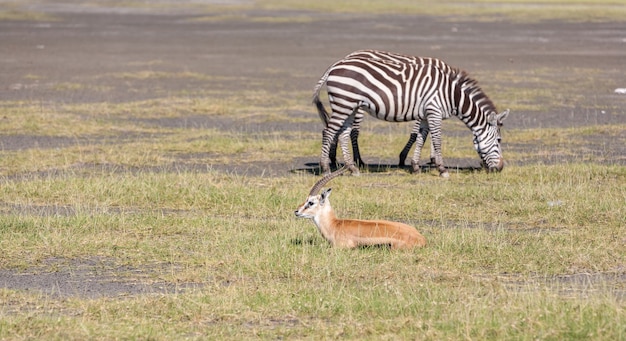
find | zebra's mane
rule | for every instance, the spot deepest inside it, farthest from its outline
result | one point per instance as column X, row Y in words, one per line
column 470, row 86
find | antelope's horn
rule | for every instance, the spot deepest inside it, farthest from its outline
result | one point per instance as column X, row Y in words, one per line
column 323, row 181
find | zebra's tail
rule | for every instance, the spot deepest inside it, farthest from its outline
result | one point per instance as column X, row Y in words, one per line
column 321, row 110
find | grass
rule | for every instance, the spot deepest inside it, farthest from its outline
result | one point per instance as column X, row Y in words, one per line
column 486, row 10
column 489, row 10
column 10, row 12
column 498, row 245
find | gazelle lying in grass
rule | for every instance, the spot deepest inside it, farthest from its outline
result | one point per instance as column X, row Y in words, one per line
column 351, row 233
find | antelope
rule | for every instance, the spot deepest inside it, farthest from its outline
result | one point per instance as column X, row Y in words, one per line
column 351, row 233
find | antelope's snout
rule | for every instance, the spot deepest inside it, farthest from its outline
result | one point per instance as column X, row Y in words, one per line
column 300, row 212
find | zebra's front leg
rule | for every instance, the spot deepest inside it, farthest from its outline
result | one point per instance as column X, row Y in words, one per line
column 434, row 124
column 344, row 139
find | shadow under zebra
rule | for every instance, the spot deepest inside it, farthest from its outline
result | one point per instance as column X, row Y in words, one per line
column 454, row 166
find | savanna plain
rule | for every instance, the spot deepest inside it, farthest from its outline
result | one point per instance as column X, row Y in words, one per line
column 152, row 154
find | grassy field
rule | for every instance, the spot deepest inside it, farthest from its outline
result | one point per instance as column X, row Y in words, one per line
column 533, row 252
column 489, row 10
column 115, row 193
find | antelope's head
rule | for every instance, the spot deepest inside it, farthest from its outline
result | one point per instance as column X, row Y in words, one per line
column 312, row 205
column 315, row 202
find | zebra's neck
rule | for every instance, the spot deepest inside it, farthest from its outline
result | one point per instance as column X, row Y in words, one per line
column 472, row 105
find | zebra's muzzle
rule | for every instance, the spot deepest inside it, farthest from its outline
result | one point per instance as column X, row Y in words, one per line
column 497, row 168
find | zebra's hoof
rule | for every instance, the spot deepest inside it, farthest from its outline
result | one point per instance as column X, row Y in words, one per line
column 415, row 167
column 444, row 175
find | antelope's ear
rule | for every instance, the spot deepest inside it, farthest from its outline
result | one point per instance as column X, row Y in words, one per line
column 325, row 194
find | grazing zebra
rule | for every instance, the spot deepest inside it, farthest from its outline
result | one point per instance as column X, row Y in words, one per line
column 398, row 88
column 354, row 133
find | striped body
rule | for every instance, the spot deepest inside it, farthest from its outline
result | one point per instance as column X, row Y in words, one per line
column 399, row 88
column 418, row 133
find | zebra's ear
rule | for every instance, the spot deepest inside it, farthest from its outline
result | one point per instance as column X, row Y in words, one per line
column 502, row 116
column 496, row 119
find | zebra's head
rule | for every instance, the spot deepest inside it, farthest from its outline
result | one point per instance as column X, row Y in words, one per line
column 487, row 142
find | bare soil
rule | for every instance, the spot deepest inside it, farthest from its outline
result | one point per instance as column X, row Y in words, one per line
column 91, row 47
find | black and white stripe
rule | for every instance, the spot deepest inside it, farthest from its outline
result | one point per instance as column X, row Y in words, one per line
column 413, row 138
column 399, row 88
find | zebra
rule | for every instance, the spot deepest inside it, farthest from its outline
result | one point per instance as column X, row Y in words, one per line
column 398, row 88
column 354, row 133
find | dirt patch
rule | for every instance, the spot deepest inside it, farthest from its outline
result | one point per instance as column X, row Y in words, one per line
column 92, row 277
column 580, row 285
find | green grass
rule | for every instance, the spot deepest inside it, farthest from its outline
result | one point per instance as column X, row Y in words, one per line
column 488, row 10
column 495, row 245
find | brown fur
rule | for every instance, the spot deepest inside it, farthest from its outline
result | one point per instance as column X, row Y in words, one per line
column 350, row 233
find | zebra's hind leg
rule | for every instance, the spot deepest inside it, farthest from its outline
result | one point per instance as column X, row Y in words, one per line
column 332, row 155
column 414, row 132
column 434, row 123
column 432, row 153
column 420, row 137
column 406, row 149
column 344, row 138
column 354, row 139
column 328, row 139
column 443, row 171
